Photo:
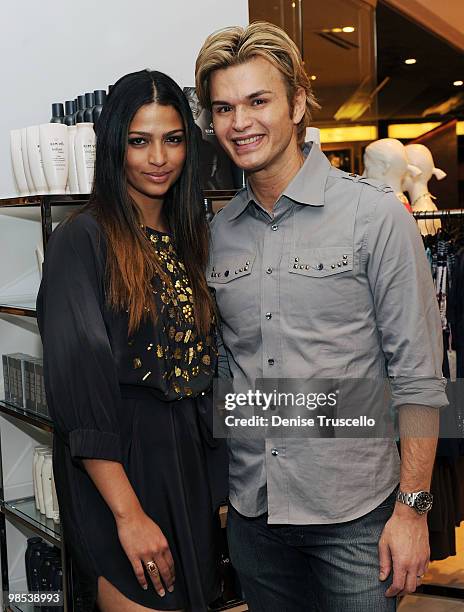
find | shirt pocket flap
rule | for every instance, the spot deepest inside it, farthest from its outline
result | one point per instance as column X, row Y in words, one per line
column 321, row 261
column 228, row 269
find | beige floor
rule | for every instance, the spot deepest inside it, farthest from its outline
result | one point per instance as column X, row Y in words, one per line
column 450, row 571
column 424, row 603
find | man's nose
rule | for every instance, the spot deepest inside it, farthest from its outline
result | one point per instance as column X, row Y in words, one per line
column 242, row 119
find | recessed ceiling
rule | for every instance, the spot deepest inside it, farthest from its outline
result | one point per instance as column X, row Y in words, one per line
column 361, row 73
column 424, row 89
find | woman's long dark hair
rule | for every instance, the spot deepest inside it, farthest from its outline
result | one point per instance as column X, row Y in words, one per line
column 131, row 261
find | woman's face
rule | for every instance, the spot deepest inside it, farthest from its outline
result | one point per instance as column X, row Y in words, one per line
column 156, row 152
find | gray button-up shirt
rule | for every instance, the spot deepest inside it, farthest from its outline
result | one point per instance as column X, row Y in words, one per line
column 334, row 283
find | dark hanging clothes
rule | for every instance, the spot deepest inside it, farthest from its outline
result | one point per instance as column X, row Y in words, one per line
column 143, row 401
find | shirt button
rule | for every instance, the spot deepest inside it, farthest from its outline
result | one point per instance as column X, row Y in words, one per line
column 275, row 228
column 268, row 315
column 274, row 452
column 270, row 362
column 269, row 271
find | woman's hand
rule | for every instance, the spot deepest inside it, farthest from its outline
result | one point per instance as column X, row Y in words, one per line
column 143, row 541
column 141, row 538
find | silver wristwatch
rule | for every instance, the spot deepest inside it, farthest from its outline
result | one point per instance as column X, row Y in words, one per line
column 421, row 501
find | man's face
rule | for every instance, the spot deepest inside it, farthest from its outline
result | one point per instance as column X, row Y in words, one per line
column 251, row 115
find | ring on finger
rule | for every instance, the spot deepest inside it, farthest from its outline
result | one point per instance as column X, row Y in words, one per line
column 152, row 568
column 420, row 577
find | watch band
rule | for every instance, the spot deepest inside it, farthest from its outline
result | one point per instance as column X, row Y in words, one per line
column 406, row 498
column 420, row 501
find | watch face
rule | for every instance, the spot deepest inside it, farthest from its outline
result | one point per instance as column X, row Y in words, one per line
column 423, row 502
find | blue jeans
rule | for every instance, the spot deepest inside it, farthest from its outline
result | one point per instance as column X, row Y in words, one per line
column 311, row 568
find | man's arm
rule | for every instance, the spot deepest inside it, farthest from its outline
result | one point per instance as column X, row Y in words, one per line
column 408, row 321
column 404, row 544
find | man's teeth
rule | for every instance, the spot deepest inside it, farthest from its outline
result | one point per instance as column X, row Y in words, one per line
column 246, row 141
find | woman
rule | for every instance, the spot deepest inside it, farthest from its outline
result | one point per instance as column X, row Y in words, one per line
column 127, row 324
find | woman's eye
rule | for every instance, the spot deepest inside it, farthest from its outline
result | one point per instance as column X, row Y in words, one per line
column 137, row 141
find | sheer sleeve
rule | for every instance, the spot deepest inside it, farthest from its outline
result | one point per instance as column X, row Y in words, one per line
column 81, row 379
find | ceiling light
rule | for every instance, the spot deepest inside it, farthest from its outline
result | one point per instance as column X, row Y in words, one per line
column 336, row 30
column 313, row 77
column 348, row 29
column 293, row 5
column 411, row 60
column 458, row 83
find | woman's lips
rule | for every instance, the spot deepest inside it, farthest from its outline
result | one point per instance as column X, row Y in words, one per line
column 157, row 177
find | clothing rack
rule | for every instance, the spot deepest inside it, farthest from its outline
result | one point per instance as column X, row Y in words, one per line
column 455, row 592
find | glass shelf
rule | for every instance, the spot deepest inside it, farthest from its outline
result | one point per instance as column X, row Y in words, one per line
column 53, row 200
column 25, row 308
column 38, row 420
column 24, row 512
column 22, row 607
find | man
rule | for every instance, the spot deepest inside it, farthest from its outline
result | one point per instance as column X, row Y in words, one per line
column 317, row 273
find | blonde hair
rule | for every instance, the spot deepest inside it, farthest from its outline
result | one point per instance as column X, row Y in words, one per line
column 237, row 45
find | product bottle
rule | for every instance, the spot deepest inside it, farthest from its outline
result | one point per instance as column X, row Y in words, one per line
column 89, row 104
column 80, row 109
column 35, row 159
column 100, row 97
column 47, row 485
column 56, row 509
column 73, row 183
column 57, row 113
column 70, row 111
column 32, row 544
column 84, row 149
column 34, row 471
column 25, row 156
column 38, row 476
column 17, row 163
column 54, row 148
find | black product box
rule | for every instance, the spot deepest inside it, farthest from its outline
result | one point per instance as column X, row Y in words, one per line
column 40, row 399
column 6, row 379
column 16, row 378
column 29, row 386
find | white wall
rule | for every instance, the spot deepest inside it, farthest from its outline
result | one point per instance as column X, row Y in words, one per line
column 52, row 51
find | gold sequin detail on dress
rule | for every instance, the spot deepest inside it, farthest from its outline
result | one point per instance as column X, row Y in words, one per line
column 181, row 355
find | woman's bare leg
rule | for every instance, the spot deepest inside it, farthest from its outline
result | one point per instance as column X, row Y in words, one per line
column 111, row 600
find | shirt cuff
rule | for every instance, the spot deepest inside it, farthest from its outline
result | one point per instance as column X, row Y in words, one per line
column 93, row 444
column 429, row 392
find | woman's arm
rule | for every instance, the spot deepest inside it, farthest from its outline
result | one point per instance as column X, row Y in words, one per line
column 140, row 537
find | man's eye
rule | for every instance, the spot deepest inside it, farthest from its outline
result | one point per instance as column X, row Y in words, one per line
column 223, row 109
column 258, row 102
column 138, row 140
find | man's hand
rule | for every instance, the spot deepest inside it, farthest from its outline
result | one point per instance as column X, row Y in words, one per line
column 404, row 547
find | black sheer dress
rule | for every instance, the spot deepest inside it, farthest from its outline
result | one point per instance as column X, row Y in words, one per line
column 142, row 401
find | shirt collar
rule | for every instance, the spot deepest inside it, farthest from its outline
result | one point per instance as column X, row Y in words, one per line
column 307, row 187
